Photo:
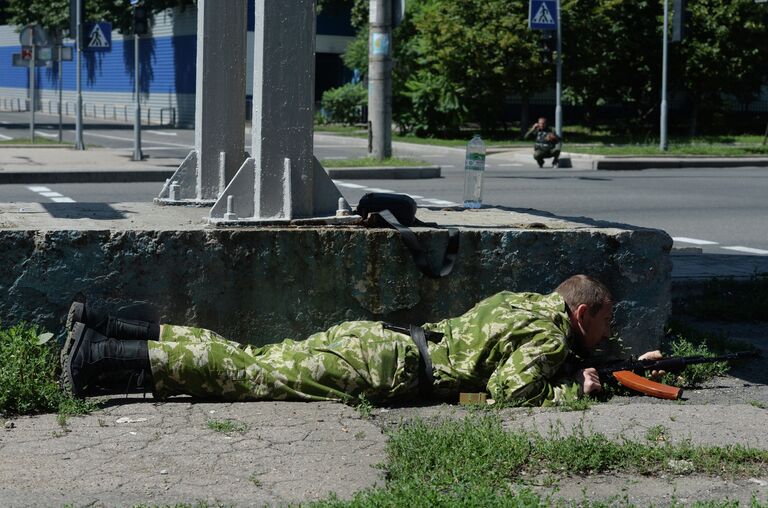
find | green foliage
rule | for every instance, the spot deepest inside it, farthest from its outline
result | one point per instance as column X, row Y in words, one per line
column 227, row 426
column 343, row 104
column 364, row 407
column 28, row 381
column 54, row 14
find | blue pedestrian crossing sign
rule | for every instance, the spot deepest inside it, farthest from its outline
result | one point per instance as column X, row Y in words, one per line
column 542, row 14
column 97, row 36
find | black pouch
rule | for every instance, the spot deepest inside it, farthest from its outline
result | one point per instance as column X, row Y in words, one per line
column 398, row 211
column 403, row 207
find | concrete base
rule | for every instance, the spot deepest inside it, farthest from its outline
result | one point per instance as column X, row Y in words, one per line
column 262, row 284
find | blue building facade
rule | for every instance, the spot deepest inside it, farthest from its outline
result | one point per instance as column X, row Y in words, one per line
column 168, row 65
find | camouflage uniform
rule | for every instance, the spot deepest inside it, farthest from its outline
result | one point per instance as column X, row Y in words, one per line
column 511, row 345
column 544, row 149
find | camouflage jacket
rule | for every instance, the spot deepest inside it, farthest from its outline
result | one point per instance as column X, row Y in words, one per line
column 512, row 345
column 540, row 141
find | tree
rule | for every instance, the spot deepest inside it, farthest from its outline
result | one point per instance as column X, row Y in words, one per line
column 54, row 14
column 724, row 52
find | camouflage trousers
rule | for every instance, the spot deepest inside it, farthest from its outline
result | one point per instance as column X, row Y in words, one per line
column 346, row 361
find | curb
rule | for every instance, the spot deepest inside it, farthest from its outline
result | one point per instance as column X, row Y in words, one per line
column 391, row 173
column 635, row 164
column 148, row 175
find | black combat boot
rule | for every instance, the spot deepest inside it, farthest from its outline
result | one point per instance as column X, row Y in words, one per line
column 114, row 326
column 93, row 364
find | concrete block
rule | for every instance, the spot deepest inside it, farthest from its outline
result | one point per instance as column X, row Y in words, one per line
column 262, row 284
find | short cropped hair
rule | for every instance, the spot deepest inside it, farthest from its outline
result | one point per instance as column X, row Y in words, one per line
column 583, row 289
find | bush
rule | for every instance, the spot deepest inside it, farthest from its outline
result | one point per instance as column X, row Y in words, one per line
column 343, row 104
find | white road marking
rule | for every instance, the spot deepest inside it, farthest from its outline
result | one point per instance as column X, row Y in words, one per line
column 163, row 133
column 46, row 134
column 415, row 196
column 6, row 138
column 510, row 165
column 376, row 189
column 748, row 250
column 335, row 158
column 348, row 185
column 448, row 166
column 694, row 241
column 440, row 202
column 48, row 193
column 5, row 122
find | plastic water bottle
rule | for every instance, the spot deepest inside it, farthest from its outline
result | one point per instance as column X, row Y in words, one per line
column 474, row 168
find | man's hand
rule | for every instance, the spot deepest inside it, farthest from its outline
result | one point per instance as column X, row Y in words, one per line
column 589, row 381
column 653, row 355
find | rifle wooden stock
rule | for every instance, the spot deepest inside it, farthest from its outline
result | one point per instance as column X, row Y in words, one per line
column 652, row 388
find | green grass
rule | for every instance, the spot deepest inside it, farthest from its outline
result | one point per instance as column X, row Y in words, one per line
column 29, row 375
column 367, row 162
column 27, row 141
column 475, row 462
column 685, row 149
column 227, row 426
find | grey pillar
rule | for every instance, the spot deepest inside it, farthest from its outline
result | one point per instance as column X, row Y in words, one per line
column 380, row 79
column 220, row 105
column 283, row 180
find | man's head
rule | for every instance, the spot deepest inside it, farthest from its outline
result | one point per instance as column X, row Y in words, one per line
column 590, row 307
column 542, row 123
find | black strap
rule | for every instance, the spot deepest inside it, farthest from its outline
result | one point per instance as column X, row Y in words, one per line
column 426, row 379
column 430, row 335
column 417, row 251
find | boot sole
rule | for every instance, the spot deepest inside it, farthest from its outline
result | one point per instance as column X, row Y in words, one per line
column 76, row 314
column 71, row 347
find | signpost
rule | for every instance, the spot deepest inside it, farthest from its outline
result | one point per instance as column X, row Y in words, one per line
column 98, row 37
column 31, row 37
column 545, row 15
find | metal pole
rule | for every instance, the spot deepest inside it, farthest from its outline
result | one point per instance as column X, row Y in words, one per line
column 664, row 143
column 79, row 145
column 380, row 79
column 559, row 86
column 32, row 91
column 61, row 88
column 137, row 155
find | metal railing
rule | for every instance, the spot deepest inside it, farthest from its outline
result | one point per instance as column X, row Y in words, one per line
column 164, row 116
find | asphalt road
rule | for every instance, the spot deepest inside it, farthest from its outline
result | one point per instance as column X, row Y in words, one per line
column 722, row 211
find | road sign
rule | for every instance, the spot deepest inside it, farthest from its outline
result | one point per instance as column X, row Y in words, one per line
column 26, row 52
column 19, row 61
column 98, row 36
column 33, row 35
column 543, row 14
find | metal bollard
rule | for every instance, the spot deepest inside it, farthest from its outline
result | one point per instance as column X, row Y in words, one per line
column 230, row 215
column 222, row 172
column 344, row 209
column 174, row 191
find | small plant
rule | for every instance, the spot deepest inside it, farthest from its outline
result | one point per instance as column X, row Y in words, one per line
column 656, row 433
column 29, row 375
column 581, row 404
column 360, row 435
column 364, row 407
column 227, row 426
column 254, row 479
column 758, row 404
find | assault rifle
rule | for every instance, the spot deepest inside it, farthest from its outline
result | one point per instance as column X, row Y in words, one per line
column 627, row 372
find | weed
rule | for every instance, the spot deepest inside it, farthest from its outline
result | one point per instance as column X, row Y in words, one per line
column 693, row 375
column 364, row 407
column 656, row 433
column 360, row 435
column 254, row 479
column 758, row 404
column 227, row 426
column 581, row 404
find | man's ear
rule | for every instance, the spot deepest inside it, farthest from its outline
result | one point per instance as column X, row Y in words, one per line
column 581, row 312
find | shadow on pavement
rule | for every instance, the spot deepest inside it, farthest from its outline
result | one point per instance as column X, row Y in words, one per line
column 95, row 211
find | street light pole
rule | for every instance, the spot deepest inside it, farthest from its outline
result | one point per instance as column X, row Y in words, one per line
column 137, row 155
column 79, row 145
column 664, row 143
column 380, row 80
column 559, row 85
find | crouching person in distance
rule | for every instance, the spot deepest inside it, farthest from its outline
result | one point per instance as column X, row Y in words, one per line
column 512, row 345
